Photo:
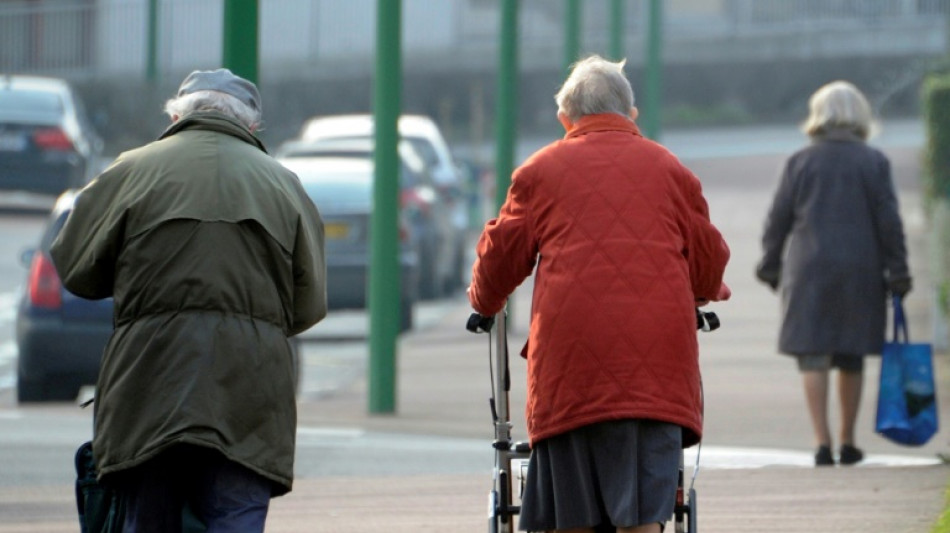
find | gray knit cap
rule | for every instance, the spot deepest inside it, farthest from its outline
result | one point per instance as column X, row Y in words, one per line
column 222, row 80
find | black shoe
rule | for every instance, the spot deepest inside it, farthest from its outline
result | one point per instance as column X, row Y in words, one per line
column 823, row 456
column 850, row 455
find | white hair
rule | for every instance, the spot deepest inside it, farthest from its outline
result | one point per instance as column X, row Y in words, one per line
column 595, row 86
column 839, row 105
column 224, row 103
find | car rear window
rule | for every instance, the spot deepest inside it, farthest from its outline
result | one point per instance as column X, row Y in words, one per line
column 336, row 195
column 425, row 150
column 39, row 102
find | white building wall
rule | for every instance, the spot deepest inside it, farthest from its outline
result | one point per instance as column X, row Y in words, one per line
column 120, row 46
column 52, row 36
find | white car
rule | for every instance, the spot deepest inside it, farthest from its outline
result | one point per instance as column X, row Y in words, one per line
column 424, row 135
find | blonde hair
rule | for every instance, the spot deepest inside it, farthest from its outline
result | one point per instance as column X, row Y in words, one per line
column 839, row 105
column 595, row 86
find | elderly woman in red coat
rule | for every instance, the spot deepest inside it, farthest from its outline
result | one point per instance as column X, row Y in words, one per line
column 619, row 232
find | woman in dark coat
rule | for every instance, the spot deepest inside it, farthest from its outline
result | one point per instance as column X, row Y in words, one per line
column 833, row 247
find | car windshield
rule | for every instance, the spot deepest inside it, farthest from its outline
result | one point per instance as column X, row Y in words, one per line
column 39, row 102
column 425, row 150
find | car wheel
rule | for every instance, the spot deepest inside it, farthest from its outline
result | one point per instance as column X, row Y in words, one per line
column 406, row 312
column 428, row 280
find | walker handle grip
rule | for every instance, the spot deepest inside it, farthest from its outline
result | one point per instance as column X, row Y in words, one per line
column 479, row 324
column 706, row 320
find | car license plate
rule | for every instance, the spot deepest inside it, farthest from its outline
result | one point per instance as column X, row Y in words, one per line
column 336, row 230
column 12, row 142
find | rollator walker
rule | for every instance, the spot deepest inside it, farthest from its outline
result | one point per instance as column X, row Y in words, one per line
column 511, row 457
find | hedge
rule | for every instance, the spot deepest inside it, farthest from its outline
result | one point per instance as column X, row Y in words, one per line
column 936, row 167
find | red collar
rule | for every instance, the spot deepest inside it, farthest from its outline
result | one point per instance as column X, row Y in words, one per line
column 602, row 122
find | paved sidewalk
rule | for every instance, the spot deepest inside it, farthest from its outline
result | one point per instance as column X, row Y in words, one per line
column 754, row 398
column 777, row 500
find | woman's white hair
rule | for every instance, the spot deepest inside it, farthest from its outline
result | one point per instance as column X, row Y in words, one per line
column 595, row 86
column 223, row 103
column 839, row 105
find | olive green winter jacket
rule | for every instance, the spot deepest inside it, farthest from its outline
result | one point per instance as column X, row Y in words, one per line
column 214, row 256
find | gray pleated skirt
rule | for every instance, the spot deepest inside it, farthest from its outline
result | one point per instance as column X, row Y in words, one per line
column 621, row 473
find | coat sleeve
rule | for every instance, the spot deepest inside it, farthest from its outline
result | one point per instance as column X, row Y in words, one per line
column 309, row 269
column 506, row 252
column 778, row 224
column 707, row 251
column 87, row 248
column 887, row 221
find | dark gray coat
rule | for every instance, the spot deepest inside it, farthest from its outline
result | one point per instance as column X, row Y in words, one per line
column 833, row 243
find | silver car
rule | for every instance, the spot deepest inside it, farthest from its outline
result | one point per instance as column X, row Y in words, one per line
column 342, row 189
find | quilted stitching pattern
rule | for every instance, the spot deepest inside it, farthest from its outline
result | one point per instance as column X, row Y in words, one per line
column 612, row 218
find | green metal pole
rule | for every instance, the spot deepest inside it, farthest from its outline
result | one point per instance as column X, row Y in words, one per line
column 151, row 59
column 506, row 105
column 654, row 67
column 572, row 34
column 384, row 279
column 241, row 38
column 616, row 29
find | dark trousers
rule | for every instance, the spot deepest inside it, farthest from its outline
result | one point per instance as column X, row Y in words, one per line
column 197, row 487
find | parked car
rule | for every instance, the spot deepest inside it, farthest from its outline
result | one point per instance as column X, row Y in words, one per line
column 424, row 208
column 60, row 337
column 424, row 135
column 342, row 189
column 47, row 143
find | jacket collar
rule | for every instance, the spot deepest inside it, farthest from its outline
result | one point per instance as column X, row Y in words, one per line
column 838, row 134
column 602, row 122
column 210, row 121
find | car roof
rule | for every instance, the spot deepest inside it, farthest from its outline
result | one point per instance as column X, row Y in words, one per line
column 34, row 83
column 317, row 167
column 349, row 144
column 338, row 146
column 362, row 125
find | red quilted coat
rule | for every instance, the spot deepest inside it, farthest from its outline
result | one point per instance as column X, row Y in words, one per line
column 620, row 233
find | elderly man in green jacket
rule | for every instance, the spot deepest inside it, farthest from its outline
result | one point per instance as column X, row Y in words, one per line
column 213, row 254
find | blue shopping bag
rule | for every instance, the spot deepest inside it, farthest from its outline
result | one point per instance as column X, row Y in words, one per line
column 907, row 398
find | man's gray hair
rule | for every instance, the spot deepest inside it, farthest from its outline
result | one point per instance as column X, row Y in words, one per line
column 216, row 101
column 595, row 86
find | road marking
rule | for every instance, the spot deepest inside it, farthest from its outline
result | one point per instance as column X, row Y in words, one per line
column 711, row 457
column 728, row 458
column 7, row 380
column 8, row 304
column 331, row 433
column 8, row 352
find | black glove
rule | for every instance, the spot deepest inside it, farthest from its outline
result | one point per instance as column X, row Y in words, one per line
column 768, row 279
column 900, row 287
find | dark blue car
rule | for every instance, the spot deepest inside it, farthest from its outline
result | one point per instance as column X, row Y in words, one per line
column 60, row 337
